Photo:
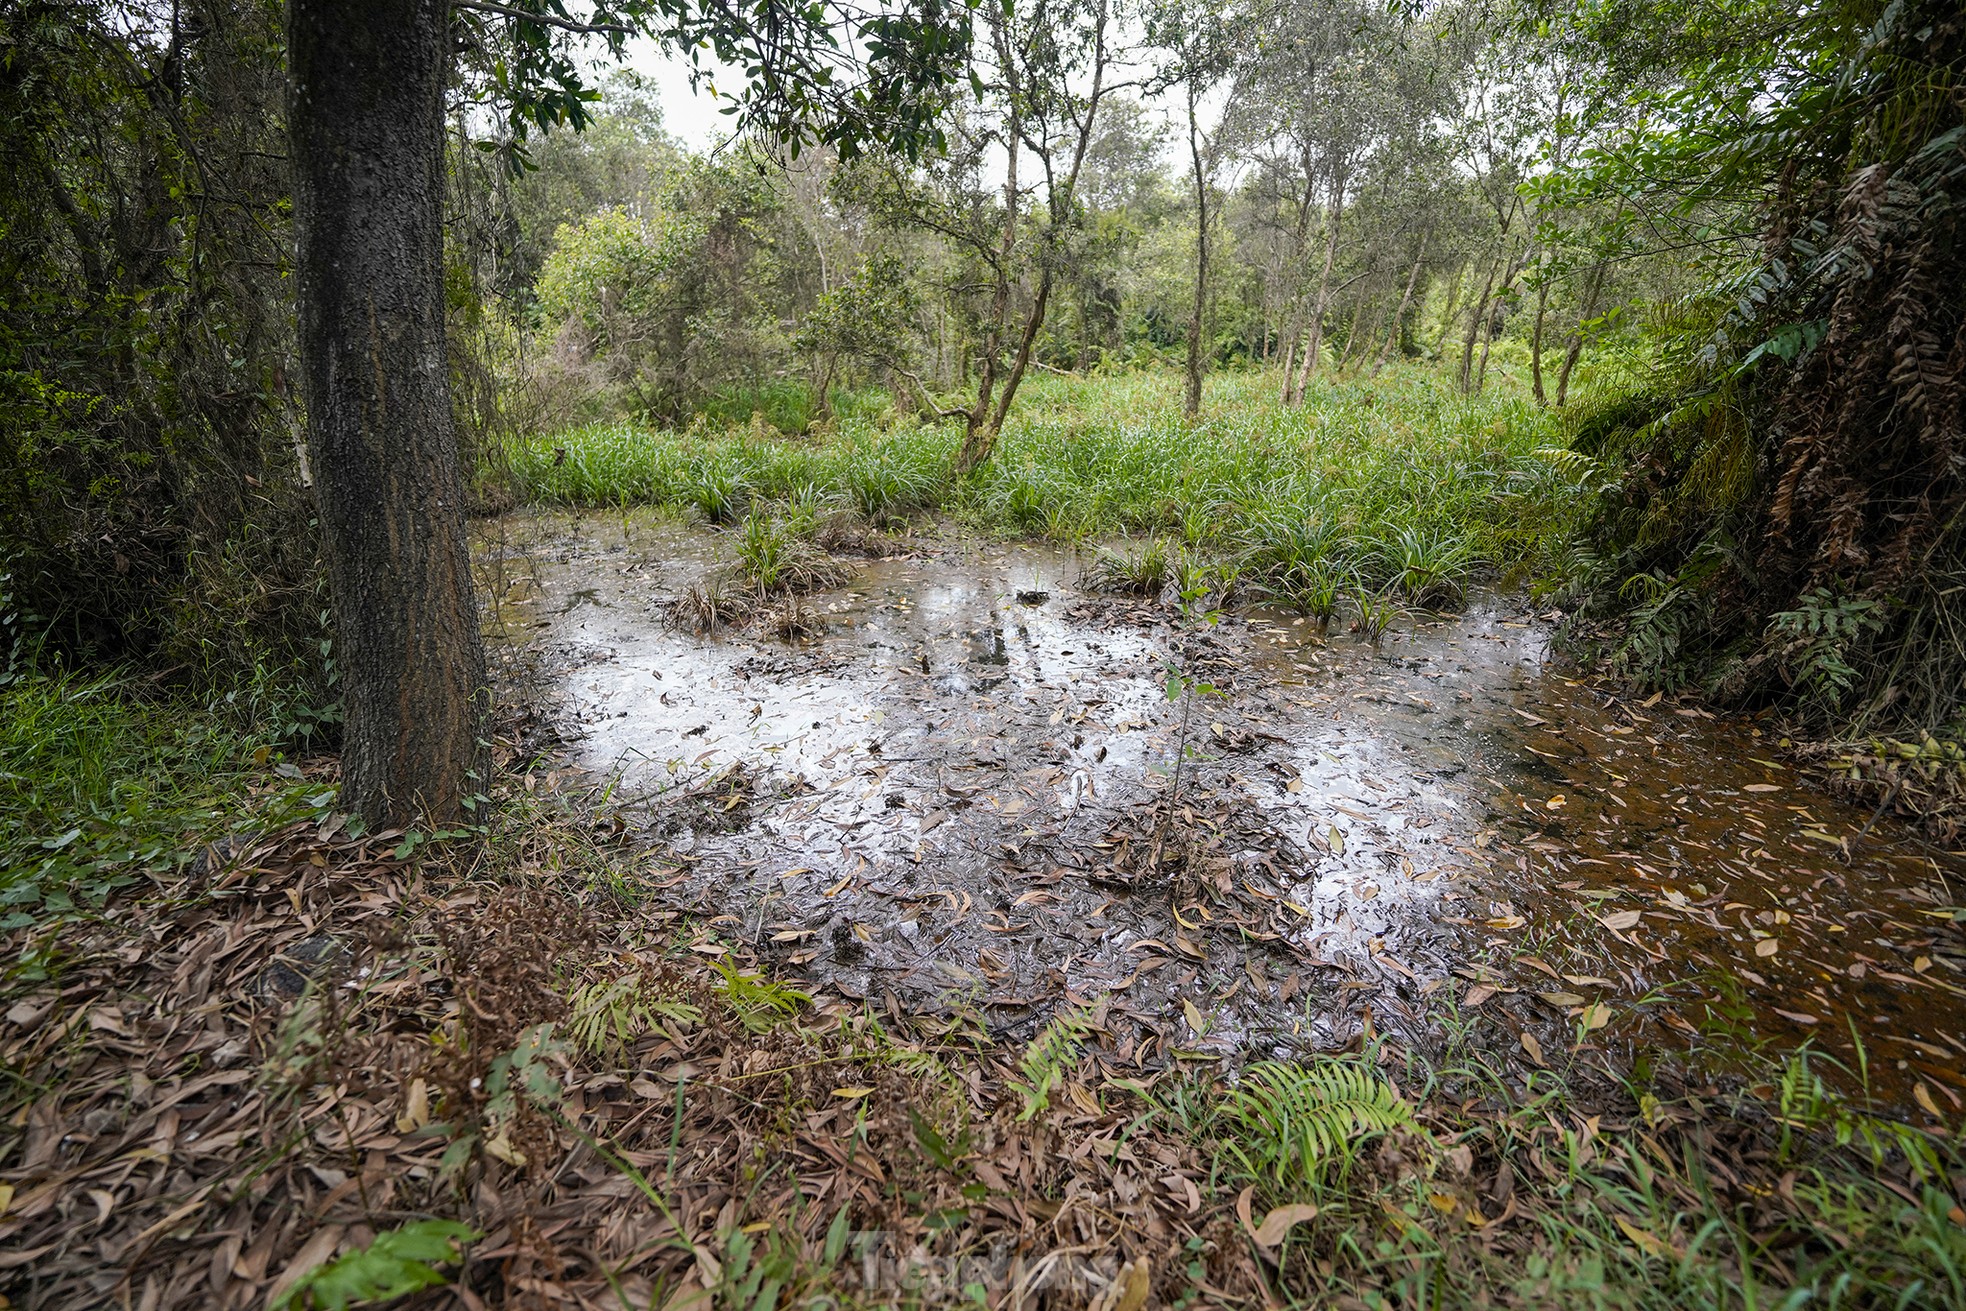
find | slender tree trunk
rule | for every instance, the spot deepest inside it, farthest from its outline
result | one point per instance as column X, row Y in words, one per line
column 984, row 423
column 1314, row 334
column 1453, row 303
column 1359, row 304
column 1511, row 273
column 979, row 434
column 1405, row 301
column 368, row 136
column 825, row 414
column 1536, row 341
column 1474, row 329
column 1543, row 286
column 1191, row 398
column 1593, row 291
column 1300, row 241
column 1290, row 334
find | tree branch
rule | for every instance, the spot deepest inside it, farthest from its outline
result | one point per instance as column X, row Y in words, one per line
column 549, row 20
column 933, row 407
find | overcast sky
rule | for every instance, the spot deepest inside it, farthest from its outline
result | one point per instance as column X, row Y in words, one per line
column 691, row 118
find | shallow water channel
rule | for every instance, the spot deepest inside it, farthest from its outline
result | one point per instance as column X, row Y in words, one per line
column 953, row 800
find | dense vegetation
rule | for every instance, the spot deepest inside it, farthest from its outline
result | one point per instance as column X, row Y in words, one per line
column 1649, row 310
column 1103, row 457
column 1712, row 242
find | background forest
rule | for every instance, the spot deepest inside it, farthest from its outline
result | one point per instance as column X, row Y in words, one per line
column 1714, row 241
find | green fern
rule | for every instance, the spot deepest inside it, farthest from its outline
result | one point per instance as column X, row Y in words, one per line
column 1293, row 1120
column 1053, row 1054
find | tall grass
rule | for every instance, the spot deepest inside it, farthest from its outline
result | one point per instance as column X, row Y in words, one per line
column 1399, row 486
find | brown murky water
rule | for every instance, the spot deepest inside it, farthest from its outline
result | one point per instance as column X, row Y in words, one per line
column 948, row 802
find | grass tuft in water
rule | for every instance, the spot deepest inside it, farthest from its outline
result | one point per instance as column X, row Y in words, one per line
column 1140, row 572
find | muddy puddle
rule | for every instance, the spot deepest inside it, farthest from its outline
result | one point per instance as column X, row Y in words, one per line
column 953, row 801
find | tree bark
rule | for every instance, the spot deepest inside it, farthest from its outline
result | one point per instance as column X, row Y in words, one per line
column 367, row 131
column 1406, row 300
column 1191, row 398
column 1314, row 333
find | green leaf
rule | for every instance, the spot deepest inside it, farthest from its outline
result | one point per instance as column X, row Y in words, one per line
column 836, row 1236
column 398, row 1262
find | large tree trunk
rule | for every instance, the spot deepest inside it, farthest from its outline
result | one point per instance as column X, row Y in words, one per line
column 367, row 130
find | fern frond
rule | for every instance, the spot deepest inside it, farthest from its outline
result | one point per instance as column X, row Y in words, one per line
column 1296, row 1118
column 1053, row 1054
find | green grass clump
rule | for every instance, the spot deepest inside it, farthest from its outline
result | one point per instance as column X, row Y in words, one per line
column 100, row 780
column 1398, row 485
column 775, row 555
column 1141, row 572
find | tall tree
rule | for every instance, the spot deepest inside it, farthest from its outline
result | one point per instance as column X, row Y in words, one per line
column 1330, row 73
column 367, row 126
column 1039, row 53
column 368, row 149
column 1198, row 39
column 1005, row 197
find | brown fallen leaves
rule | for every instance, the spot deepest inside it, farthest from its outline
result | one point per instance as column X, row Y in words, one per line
column 242, row 1075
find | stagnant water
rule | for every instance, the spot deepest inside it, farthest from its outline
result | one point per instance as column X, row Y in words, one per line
column 945, row 800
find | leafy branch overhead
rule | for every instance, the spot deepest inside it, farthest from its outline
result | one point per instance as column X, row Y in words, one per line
column 840, row 75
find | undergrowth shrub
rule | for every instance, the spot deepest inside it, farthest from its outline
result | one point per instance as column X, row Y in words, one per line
column 103, row 778
column 1781, row 515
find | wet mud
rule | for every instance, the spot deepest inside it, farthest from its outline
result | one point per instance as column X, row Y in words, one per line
column 969, row 797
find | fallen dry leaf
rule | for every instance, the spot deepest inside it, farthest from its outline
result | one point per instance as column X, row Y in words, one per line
column 1279, row 1222
column 1646, row 1242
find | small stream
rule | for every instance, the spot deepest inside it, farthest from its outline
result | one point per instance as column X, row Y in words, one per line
column 942, row 801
